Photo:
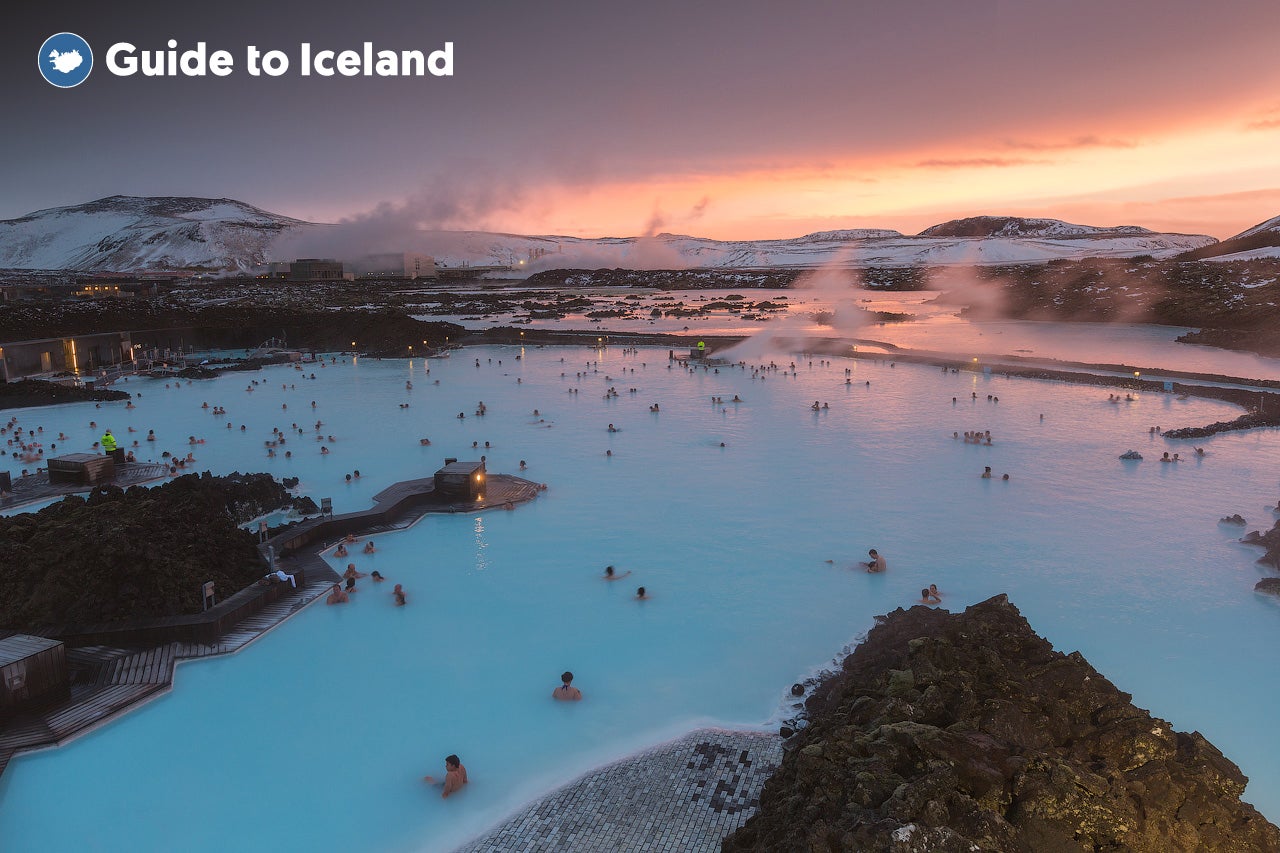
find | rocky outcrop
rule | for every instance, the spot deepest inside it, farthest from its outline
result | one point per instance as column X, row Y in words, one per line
column 129, row 554
column 1249, row 420
column 1269, row 540
column 35, row 392
column 957, row 732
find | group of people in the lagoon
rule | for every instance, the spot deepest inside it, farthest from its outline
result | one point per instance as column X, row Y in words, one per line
column 876, row 564
column 930, row 595
column 340, row 592
column 975, row 437
column 611, row 574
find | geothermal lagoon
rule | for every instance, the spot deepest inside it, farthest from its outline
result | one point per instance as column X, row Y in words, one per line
column 743, row 520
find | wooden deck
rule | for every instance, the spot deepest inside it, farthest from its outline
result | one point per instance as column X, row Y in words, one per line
column 107, row 680
column 36, row 487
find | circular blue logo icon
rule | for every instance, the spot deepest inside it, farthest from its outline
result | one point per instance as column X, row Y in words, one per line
column 65, row 60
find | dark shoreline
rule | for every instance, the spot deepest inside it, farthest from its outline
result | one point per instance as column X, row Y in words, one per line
column 34, row 392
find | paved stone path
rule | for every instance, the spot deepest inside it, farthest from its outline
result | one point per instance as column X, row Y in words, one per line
column 681, row 797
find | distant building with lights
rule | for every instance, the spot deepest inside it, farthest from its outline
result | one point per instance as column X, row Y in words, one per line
column 408, row 265
column 82, row 355
column 315, row 269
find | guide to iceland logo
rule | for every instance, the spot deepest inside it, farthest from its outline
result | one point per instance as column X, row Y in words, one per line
column 65, row 60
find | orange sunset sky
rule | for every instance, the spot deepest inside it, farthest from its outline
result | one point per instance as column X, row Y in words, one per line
column 737, row 120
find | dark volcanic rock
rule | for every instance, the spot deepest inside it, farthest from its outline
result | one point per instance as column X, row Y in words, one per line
column 1249, row 420
column 34, row 392
column 956, row 732
column 136, row 553
column 1269, row 540
column 1269, row 585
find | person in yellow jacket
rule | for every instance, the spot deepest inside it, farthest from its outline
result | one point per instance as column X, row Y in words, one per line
column 108, row 442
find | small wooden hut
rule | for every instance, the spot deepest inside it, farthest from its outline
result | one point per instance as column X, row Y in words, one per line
column 82, row 469
column 33, row 672
column 460, row 480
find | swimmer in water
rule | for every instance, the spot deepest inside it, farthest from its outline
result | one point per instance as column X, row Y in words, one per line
column 566, row 692
column 641, row 595
column 455, row 774
column 611, row 575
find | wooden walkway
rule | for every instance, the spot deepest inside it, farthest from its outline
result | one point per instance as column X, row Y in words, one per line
column 107, row 681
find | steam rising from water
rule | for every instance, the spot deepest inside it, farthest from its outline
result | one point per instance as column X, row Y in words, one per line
column 445, row 218
column 415, row 224
column 836, row 290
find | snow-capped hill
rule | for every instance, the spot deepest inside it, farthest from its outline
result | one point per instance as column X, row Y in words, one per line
column 1260, row 241
column 847, row 234
column 1019, row 226
column 131, row 233
column 1271, row 226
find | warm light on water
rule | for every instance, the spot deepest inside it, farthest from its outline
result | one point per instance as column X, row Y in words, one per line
column 315, row 738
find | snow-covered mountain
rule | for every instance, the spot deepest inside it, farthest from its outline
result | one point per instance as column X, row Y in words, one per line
column 1008, row 241
column 130, row 234
column 1260, row 241
column 1018, row 226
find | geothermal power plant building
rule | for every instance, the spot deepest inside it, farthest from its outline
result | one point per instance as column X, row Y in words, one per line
column 393, row 265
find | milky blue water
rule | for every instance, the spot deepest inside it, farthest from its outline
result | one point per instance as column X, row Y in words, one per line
column 316, row 737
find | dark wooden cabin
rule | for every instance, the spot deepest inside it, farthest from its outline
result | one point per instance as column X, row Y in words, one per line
column 460, row 480
column 33, row 672
column 82, row 469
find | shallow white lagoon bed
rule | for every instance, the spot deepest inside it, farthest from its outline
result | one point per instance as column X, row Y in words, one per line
column 316, row 737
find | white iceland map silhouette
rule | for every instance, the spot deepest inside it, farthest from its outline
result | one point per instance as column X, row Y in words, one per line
column 66, row 61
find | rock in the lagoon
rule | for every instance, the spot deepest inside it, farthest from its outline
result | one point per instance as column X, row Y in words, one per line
column 1233, row 519
column 1270, row 585
column 955, row 732
column 1269, row 540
